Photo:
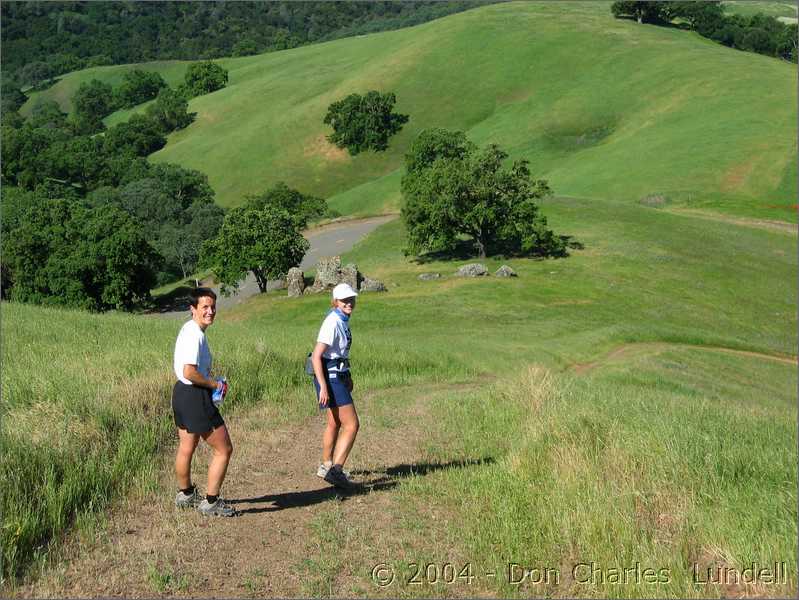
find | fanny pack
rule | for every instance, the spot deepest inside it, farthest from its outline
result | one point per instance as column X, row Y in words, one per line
column 330, row 364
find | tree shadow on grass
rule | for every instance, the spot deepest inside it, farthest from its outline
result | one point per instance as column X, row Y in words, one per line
column 176, row 300
column 372, row 481
column 463, row 250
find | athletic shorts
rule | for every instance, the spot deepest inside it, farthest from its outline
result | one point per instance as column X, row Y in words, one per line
column 337, row 391
column 193, row 408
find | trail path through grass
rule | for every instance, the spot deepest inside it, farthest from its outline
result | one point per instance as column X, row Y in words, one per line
column 295, row 536
column 625, row 350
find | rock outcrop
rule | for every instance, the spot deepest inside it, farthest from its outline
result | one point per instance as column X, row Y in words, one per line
column 295, row 282
column 472, row 270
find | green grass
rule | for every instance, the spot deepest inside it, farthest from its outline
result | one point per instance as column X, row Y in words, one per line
column 786, row 10
column 674, row 462
column 669, row 453
column 603, row 108
column 64, row 89
column 647, row 278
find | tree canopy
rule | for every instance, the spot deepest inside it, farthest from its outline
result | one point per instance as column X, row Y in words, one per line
column 759, row 33
column 302, row 208
column 203, row 78
column 364, row 122
column 453, row 189
column 138, row 86
column 42, row 40
column 63, row 252
column 263, row 241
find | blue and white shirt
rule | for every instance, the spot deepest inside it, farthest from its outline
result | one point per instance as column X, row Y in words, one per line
column 335, row 333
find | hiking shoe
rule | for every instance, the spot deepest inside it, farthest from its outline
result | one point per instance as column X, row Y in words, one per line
column 218, row 509
column 338, row 478
column 188, row 500
column 322, row 471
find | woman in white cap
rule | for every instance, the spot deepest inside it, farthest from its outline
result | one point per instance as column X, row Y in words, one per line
column 333, row 383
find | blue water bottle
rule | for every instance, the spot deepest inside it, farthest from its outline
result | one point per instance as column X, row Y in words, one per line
column 219, row 393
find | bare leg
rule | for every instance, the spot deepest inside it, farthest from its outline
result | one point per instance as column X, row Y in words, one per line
column 348, row 418
column 219, row 440
column 187, row 445
column 330, row 435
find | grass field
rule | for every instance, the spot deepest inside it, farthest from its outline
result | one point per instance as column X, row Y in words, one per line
column 705, row 136
column 633, row 402
column 688, row 429
column 785, row 11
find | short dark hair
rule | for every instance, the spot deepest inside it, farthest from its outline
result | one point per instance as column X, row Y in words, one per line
column 202, row 292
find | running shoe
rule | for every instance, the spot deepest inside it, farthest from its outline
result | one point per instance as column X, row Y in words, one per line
column 338, row 478
column 188, row 500
column 218, row 509
column 322, row 471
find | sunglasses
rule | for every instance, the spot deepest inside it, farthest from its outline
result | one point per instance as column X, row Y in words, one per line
column 350, row 301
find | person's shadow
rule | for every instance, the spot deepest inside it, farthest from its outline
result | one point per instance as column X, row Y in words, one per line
column 370, row 481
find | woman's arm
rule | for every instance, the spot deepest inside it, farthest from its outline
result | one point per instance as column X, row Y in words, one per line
column 191, row 373
column 319, row 371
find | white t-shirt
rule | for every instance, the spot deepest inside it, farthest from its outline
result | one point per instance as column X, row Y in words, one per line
column 335, row 332
column 191, row 348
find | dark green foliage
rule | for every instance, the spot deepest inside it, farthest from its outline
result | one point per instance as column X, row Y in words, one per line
column 640, row 10
column 92, row 102
column 79, row 161
column 12, row 98
column 138, row 86
column 140, row 136
column 302, row 208
column 758, row 33
column 452, row 189
column 266, row 242
column 63, row 252
column 66, row 36
column 244, row 47
column 25, row 153
column 35, row 73
column 176, row 209
column 48, row 114
column 203, row 78
column 364, row 122
column 170, row 110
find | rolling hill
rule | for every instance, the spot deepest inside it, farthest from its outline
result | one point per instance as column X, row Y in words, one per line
column 602, row 108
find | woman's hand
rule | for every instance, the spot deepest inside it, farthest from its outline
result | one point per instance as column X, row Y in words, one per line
column 323, row 395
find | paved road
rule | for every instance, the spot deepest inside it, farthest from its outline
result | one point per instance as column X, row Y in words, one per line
column 328, row 240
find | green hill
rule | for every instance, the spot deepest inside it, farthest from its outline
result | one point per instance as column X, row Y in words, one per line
column 667, row 431
column 603, row 108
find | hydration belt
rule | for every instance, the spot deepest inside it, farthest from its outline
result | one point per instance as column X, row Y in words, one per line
column 336, row 364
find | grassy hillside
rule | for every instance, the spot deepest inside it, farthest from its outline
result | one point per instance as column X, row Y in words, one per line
column 662, row 342
column 785, row 11
column 603, row 108
column 637, row 399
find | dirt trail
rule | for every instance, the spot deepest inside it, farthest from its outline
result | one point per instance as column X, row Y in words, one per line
column 153, row 549
column 767, row 224
column 656, row 347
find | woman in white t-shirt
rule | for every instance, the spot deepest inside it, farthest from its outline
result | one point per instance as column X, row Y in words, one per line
column 333, row 384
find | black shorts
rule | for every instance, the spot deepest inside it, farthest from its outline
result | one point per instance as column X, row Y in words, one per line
column 193, row 409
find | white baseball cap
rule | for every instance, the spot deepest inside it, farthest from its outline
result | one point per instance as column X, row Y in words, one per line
column 343, row 290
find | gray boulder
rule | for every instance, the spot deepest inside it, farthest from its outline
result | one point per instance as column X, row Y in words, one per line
column 295, row 282
column 372, row 285
column 505, row 271
column 472, row 270
column 350, row 275
column 328, row 272
column 429, row 276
